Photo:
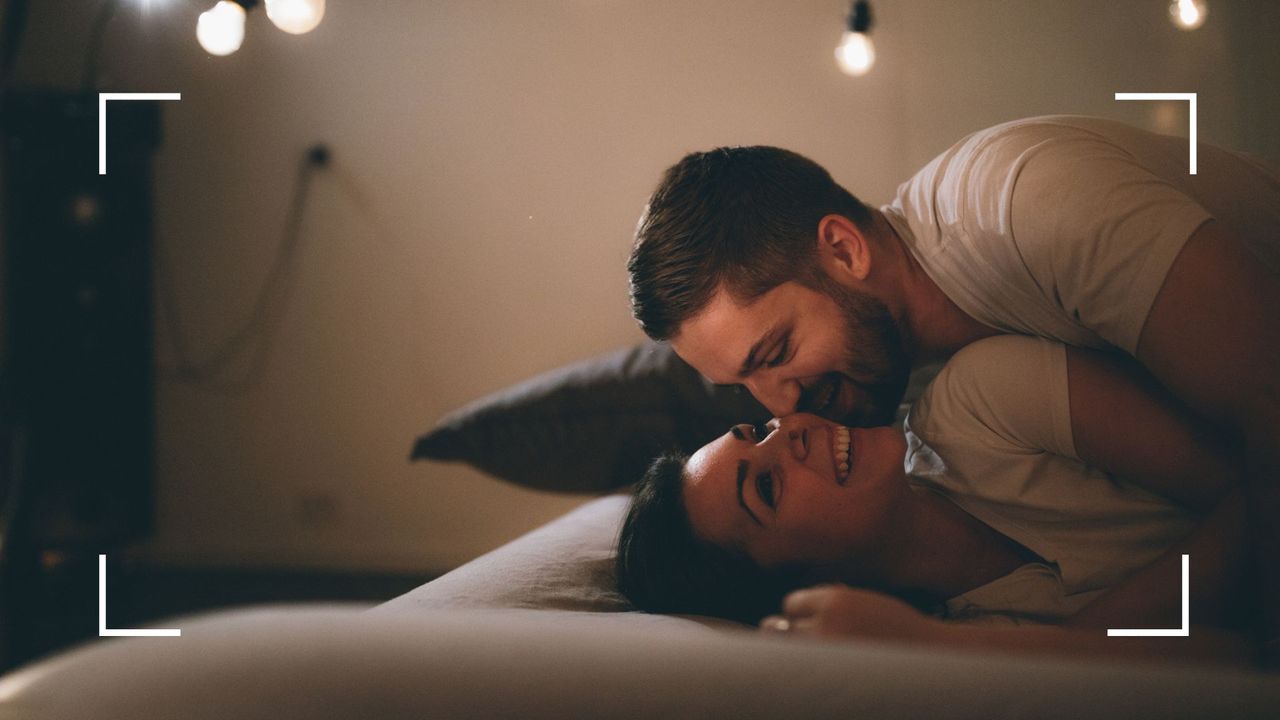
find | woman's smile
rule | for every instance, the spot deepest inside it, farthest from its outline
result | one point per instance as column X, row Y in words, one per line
column 841, row 461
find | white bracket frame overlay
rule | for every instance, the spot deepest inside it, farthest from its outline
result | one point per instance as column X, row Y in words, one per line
column 104, row 632
column 1189, row 97
column 1183, row 631
column 101, row 117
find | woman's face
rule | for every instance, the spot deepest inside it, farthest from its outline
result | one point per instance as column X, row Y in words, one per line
column 779, row 492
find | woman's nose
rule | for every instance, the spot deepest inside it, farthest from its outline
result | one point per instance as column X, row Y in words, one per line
column 787, row 437
column 758, row 433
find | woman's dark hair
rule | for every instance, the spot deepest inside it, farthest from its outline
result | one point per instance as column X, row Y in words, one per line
column 744, row 217
column 663, row 567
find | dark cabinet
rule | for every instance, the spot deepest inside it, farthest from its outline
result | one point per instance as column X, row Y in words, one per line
column 76, row 374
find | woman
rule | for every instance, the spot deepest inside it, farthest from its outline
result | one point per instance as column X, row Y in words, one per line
column 1008, row 512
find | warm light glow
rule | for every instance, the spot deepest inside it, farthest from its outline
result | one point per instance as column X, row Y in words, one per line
column 1188, row 14
column 148, row 5
column 296, row 16
column 220, row 29
column 856, row 54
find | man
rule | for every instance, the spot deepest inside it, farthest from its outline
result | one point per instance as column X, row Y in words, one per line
column 763, row 272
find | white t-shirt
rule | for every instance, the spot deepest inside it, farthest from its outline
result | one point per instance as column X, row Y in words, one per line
column 1065, row 226
column 993, row 434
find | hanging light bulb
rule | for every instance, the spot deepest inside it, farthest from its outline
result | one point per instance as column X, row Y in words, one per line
column 1188, row 14
column 295, row 16
column 220, row 29
column 856, row 53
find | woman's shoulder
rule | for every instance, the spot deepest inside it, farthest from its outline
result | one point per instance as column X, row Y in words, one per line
column 999, row 355
column 1007, row 389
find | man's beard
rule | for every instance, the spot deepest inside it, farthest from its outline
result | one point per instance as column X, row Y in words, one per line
column 876, row 361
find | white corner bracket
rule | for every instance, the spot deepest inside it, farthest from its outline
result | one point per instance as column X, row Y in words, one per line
column 101, row 117
column 104, row 632
column 1183, row 631
column 1189, row 97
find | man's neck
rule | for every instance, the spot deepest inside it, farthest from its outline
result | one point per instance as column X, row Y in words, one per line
column 934, row 325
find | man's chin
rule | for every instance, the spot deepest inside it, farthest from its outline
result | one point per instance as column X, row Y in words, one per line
column 873, row 408
column 866, row 417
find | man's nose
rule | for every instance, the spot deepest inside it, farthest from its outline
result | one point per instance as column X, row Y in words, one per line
column 777, row 395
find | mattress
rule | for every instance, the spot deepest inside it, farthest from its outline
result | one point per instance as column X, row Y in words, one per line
column 535, row 630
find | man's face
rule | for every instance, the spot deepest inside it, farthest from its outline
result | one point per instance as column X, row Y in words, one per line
column 836, row 353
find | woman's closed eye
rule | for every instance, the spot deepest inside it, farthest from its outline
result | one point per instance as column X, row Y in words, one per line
column 764, row 487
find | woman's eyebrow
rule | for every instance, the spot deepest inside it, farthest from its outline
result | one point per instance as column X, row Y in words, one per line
column 742, row 478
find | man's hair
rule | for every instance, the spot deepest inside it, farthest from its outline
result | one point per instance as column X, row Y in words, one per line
column 744, row 217
column 663, row 567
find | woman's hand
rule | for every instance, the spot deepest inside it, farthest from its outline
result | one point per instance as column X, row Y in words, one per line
column 839, row 610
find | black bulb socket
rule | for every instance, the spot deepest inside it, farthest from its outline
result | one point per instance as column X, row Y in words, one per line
column 860, row 17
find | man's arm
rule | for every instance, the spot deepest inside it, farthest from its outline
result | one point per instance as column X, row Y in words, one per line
column 1212, row 337
column 1124, row 423
column 1152, row 597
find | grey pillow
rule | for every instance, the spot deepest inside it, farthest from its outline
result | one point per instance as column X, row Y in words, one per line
column 593, row 426
column 566, row 564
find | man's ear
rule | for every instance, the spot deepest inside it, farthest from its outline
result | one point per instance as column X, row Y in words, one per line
column 844, row 252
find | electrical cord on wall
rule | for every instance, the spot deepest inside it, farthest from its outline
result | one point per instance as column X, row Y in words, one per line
column 257, row 334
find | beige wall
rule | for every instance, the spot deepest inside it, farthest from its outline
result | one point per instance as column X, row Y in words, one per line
column 490, row 161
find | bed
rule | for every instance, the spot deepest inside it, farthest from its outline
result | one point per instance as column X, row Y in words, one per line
column 536, row 628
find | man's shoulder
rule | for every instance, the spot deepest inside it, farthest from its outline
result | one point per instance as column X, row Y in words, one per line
column 997, row 146
column 971, row 184
column 982, row 159
column 1039, row 129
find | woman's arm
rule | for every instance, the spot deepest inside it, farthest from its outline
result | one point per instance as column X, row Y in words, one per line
column 841, row 611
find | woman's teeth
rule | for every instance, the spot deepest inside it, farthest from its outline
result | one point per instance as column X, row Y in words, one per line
column 840, row 449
